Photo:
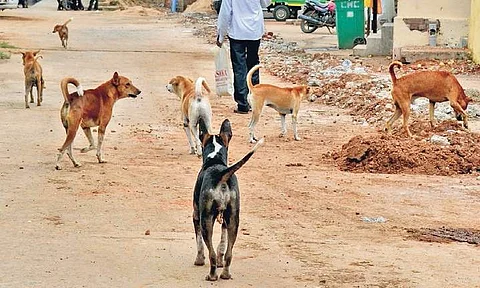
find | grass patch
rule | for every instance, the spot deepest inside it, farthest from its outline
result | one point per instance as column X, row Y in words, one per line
column 6, row 45
column 4, row 55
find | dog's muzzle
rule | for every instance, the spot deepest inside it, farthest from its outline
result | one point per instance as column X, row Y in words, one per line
column 134, row 95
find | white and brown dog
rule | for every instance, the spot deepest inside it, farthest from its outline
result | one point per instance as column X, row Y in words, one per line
column 194, row 106
column 283, row 100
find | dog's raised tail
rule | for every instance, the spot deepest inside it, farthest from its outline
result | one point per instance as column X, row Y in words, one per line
column 227, row 173
column 201, row 82
column 64, row 87
column 391, row 69
column 68, row 21
column 250, row 74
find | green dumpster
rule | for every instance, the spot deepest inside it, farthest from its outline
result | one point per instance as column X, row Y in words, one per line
column 350, row 23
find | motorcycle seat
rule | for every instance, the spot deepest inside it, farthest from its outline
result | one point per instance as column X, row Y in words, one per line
column 317, row 3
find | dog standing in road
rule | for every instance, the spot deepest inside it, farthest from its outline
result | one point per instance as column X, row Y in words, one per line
column 437, row 86
column 194, row 106
column 284, row 100
column 217, row 197
column 62, row 32
column 91, row 108
column 33, row 76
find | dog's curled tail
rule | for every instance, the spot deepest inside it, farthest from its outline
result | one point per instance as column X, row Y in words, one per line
column 227, row 173
column 64, row 87
column 201, row 82
column 68, row 21
column 250, row 74
column 391, row 69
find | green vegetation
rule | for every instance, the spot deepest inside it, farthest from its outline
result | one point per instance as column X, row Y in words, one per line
column 6, row 45
column 4, row 55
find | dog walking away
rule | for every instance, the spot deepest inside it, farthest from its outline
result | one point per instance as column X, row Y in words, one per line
column 284, row 100
column 91, row 108
column 62, row 32
column 194, row 106
column 33, row 76
column 217, row 197
column 437, row 86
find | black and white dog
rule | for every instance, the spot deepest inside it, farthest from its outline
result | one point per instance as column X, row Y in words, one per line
column 217, row 197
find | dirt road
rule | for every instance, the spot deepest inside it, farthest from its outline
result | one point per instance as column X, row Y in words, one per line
column 301, row 220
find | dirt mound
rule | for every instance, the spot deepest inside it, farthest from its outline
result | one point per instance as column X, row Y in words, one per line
column 200, row 6
column 394, row 154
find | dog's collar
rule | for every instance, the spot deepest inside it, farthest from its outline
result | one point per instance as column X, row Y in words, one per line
column 213, row 161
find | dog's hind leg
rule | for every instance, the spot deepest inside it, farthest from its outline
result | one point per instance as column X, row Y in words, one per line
column 39, row 91
column 284, row 125
column 222, row 246
column 194, row 131
column 89, row 135
column 232, row 230
column 405, row 107
column 71, row 132
column 207, row 233
column 395, row 116
column 200, row 260
column 70, row 155
column 253, row 121
column 28, row 91
column 294, row 125
column 188, row 132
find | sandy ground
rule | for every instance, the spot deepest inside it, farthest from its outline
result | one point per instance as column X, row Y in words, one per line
column 301, row 220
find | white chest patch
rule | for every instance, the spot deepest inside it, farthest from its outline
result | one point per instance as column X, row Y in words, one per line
column 217, row 148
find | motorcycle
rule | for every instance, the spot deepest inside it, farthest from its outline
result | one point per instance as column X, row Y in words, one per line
column 316, row 15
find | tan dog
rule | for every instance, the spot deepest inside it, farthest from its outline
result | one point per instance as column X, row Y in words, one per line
column 437, row 86
column 62, row 32
column 194, row 106
column 284, row 100
column 33, row 76
column 91, row 108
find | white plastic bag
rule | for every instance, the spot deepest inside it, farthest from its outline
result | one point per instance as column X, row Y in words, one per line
column 223, row 72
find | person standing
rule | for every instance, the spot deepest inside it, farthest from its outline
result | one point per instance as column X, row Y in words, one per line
column 242, row 21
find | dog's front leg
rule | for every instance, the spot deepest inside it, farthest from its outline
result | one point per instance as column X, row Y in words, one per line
column 431, row 112
column 89, row 135
column 187, row 129
column 458, row 110
column 101, row 135
column 207, row 233
column 284, row 125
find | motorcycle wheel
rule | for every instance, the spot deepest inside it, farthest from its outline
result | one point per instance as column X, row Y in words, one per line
column 307, row 27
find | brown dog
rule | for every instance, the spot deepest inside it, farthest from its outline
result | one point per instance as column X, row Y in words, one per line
column 284, row 100
column 91, row 108
column 33, row 76
column 437, row 86
column 194, row 106
column 62, row 32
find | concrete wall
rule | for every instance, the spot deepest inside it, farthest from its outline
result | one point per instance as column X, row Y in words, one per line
column 411, row 23
column 474, row 38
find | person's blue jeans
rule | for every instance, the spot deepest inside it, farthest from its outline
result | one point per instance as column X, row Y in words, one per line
column 244, row 55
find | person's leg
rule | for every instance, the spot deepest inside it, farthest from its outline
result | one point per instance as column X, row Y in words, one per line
column 253, row 59
column 239, row 66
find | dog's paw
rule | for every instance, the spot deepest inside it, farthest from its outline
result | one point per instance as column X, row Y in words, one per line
column 225, row 275
column 282, row 134
column 193, row 150
column 58, row 167
column 298, row 138
column 200, row 261
column 77, row 165
column 211, row 277
column 86, row 149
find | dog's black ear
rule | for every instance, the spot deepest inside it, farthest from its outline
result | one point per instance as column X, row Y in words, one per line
column 203, row 134
column 226, row 132
column 115, row 79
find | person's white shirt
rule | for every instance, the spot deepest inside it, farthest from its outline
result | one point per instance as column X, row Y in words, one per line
column 241, row 19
